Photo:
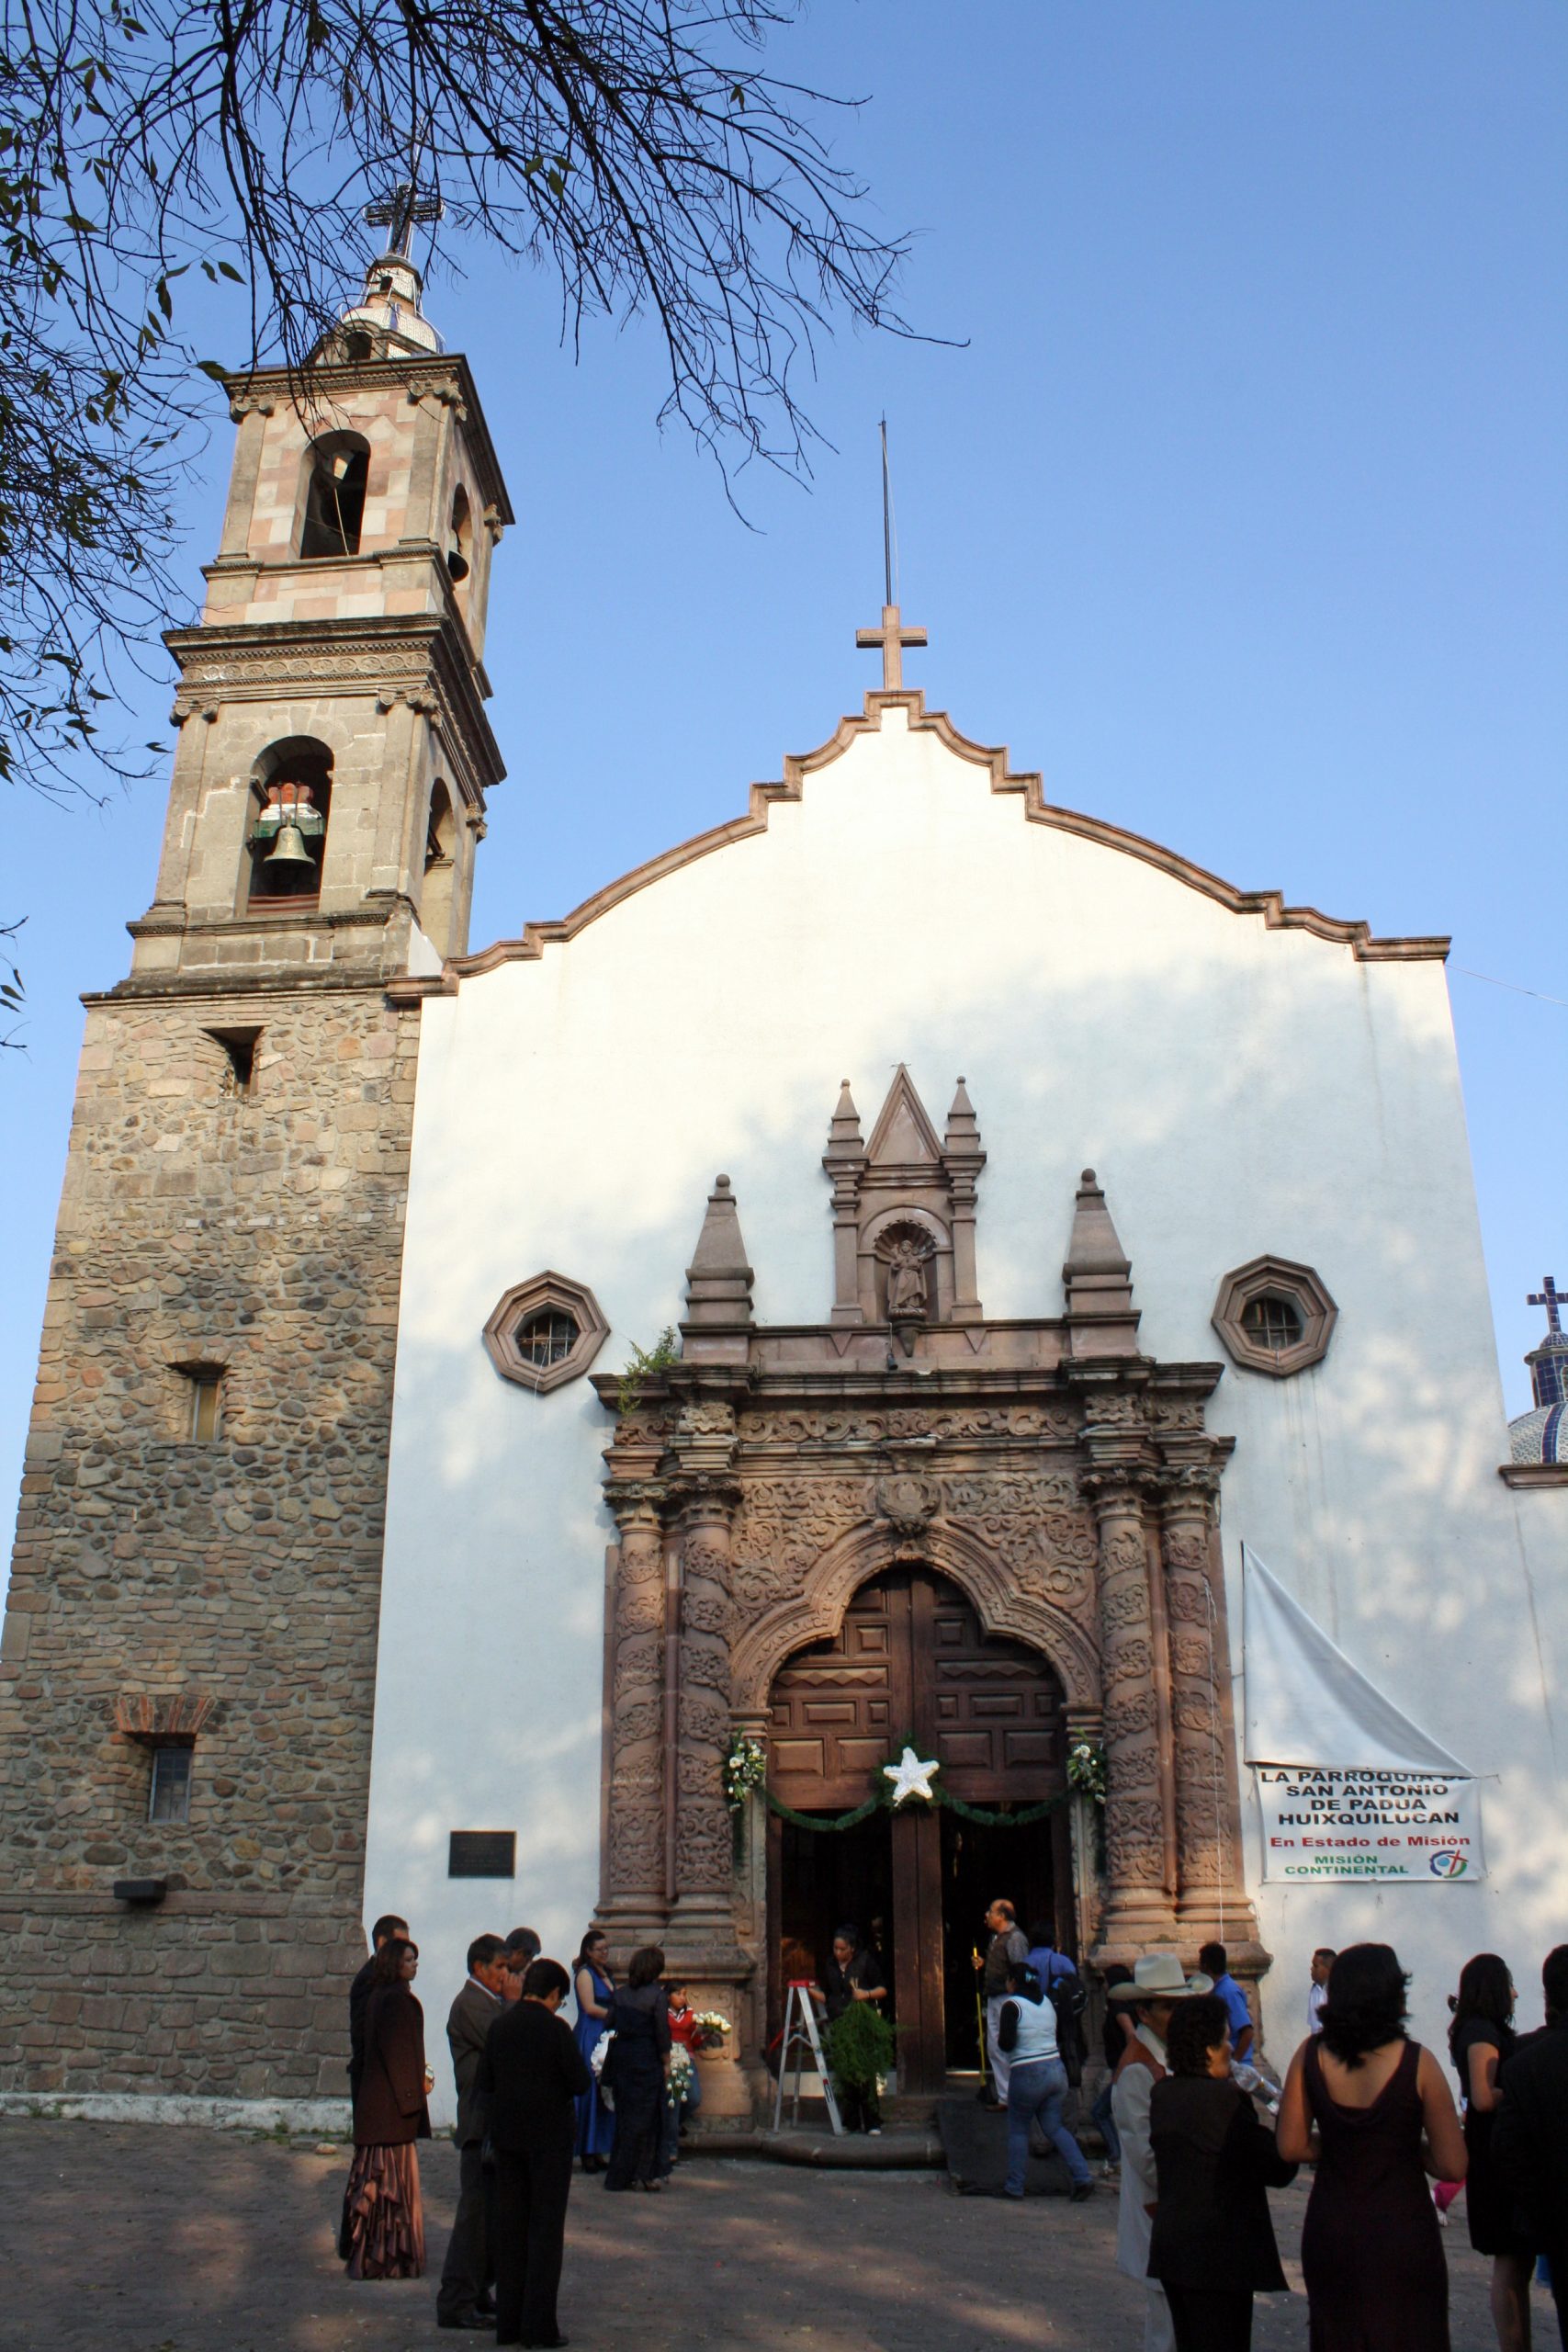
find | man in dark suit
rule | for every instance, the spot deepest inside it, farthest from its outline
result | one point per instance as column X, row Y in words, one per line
column 464, row 2297
column 530, row 2075
column 1529, row 2137
column 386, row 1927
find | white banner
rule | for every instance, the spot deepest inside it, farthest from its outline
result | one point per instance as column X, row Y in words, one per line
column 1320, row 1822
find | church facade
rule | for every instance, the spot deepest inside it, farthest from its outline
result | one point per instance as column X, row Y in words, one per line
column 1032, row 1218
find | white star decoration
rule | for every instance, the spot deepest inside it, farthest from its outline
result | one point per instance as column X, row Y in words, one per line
column 911, row 1778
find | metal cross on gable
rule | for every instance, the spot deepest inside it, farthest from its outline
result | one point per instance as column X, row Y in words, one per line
column 401, row 212
column 1553, row 1300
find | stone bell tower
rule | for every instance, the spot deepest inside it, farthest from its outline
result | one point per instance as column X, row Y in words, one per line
column 189, row 1652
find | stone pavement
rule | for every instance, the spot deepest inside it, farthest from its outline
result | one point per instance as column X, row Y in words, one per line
column 140, row 2238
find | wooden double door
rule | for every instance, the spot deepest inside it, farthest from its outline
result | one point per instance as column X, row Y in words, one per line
column 912, row 1661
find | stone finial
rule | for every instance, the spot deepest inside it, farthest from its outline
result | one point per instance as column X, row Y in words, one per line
column 844, row 1140
column 718, row 1279
column 1102, row 1319
column 962, row 1127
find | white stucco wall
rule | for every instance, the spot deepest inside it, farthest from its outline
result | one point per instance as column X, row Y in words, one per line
column 1239, row 1090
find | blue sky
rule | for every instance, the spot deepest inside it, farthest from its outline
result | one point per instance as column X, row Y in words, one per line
column 1240, row 513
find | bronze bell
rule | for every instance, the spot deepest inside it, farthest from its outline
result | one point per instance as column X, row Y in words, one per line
column 289, row 848
column 456, row 563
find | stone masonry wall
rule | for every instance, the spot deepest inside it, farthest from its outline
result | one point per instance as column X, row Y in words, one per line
column 262, row 1231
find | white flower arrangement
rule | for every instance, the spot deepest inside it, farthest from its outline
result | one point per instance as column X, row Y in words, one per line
column 600, row 2052
column 711, row 2022
column 681, row 2076
column 1086, row 1770
column 745, row 1768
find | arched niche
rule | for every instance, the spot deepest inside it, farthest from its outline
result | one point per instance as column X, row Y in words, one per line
column 286, row 839
column 460, row 553
column 437, row 887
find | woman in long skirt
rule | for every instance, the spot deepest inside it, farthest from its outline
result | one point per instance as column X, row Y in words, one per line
column 383, row 2213
column 595, row 1987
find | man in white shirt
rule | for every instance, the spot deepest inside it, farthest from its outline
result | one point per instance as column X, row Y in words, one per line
column 1323, row 1961
column 1157, row 1985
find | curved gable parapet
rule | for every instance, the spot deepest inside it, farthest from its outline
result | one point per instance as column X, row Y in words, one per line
column 1037, row 809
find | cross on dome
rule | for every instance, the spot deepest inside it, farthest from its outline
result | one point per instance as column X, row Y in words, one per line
column 401, row 212
column 1553, row 1300
column 892, row 636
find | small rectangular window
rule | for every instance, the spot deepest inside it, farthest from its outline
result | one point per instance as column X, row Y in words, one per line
column 169, row 1799
column 205, row 1382
column 483, row 1853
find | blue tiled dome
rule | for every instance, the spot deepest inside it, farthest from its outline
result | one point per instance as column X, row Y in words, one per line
column 1540, row 1435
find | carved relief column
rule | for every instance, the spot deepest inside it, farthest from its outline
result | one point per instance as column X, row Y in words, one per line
column 702, row 1944
column 633, row 1902
column 703, row 1917
column 1212, row 1900
column 1140, row 1909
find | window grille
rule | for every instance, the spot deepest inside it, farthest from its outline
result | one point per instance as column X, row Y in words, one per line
column 169, row 1798
column 547, row 1338
column 1271, row 1321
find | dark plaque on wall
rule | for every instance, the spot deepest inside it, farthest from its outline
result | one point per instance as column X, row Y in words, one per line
column 483, row 1853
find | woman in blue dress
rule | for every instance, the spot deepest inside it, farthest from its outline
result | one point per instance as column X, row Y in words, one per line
column 594, row 1984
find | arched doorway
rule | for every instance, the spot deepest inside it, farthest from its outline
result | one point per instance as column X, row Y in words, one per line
column 911, row 1660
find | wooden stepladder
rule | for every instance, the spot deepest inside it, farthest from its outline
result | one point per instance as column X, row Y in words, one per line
column 800, row 2040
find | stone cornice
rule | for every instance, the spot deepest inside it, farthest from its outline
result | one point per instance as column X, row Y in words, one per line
column 1277, row 916
column 392, row 656
column 1534, row 1474
column 1146, row 1386
column 313, row 393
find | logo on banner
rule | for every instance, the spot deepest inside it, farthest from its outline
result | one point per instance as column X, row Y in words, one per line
column 1449, row 1865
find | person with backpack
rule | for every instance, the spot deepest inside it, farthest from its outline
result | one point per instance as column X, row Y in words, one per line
column 1064, row 1988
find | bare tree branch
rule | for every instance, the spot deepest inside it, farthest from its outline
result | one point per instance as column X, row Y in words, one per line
column 636, row 149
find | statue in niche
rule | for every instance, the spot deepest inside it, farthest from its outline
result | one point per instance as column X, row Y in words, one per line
column 906, row 1295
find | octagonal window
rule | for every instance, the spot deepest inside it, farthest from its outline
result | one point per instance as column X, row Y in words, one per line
column 546, row 1330
column 1275, row 1315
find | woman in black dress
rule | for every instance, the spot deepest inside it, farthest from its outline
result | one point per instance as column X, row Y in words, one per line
column 1213, row 2247
column 1480, row 2038
column 1372, row 2109
column 635, row 2068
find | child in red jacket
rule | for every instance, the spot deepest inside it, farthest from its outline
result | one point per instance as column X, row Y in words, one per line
column 685, row 2034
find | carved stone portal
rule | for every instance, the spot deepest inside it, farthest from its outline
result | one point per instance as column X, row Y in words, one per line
column 1064, row 1483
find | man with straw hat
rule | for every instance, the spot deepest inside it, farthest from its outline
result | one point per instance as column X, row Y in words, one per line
column 1159, row 1982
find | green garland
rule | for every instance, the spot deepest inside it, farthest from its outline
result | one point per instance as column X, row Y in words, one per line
column 857, row 1814
column 750, row 1768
